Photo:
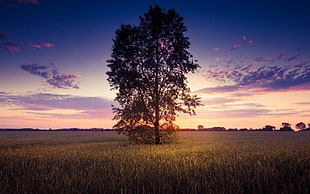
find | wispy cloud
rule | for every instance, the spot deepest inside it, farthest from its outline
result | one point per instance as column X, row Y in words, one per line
column 45, row 104
column 280, row 56
column 217, row 101
column 52, row 76
column 63, row 81
column 259, row 59
column 292, row 58
column 245, row 38
column 232, row 109
column 34, row 45
column 47, row 44
column 235, row 46
column 303, row 103
column 220, row 89
column 12, row 47
column 216, row 49
column 43, row 44
column 29, row 1
column 261, row 78
column 35, row 69
column 257, row 74
column 235, row 113
column 245, row 42
column 14, row 3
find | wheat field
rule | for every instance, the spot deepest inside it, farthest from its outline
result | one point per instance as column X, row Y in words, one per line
column 200, row 162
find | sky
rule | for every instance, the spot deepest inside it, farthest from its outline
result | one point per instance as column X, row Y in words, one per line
column 254, row 57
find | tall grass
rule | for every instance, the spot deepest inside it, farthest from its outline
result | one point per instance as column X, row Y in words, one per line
column 202, row 162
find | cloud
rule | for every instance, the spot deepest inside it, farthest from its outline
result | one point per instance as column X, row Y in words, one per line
column 35, row 2
column 14, row 3
column 235, row 113
column 63, row 81
column 45, row 104
column 259, row 59
column 280, row 56
column 47, row 44
column 51, row 75
column 292, row 58
column 57, row 101
column 262, row 78
column 303, row 103
column 238, row 74
column 218, row 101
column 230, row 103
column 44, row 44
column 225, row 59
column 220, row 89
column 235, row 46
column 216, row 49
column 34, row 45
column 12, row 47
column 36, row 69
column 244, row 110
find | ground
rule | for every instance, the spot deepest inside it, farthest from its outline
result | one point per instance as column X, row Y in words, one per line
column 201, row 162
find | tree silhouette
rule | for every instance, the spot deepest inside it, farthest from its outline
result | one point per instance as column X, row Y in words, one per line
column 286, row 127
column 148, row 66
column 268, row 128
column 200, row 127
column 301, row 126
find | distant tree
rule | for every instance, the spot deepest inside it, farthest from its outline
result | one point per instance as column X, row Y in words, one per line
column 286, row 127
column 200, row 127
column 268, row 128
column 301, row 126
column 148, row 68
column 214, row 129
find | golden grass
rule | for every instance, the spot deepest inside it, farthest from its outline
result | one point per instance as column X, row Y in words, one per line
column 202, row 162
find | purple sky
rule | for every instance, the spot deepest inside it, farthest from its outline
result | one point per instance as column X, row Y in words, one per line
column 254, row 57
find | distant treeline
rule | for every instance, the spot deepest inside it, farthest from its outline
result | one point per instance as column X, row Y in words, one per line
column 64, row 129
column 286, row 127
column 236, row 129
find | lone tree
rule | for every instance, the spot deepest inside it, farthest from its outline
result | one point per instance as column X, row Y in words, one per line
column 148, row 66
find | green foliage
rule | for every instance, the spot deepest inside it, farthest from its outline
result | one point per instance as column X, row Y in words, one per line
column 204, row 162
column 148, row 66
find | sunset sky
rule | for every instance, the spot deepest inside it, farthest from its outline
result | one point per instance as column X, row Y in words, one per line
column 254, row 57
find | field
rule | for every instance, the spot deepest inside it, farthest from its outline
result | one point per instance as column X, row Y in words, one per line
column 201, row 162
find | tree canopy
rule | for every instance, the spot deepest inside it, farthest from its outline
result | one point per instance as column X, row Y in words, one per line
column 301, row 126
column 148, row 67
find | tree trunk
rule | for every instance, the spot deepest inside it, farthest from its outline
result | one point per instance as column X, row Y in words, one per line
column 156, row 125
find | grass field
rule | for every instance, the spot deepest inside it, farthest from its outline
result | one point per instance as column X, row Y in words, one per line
column 202, row 162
